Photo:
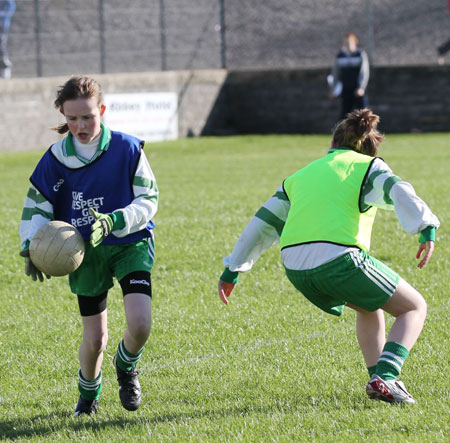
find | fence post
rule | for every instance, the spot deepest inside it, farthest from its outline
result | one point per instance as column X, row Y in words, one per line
column 162, row 35
column 101, row 23
column 37, row 22
column 223, row 43
column 370, row 42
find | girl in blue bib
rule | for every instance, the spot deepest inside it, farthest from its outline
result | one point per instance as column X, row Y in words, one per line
column 99, row 181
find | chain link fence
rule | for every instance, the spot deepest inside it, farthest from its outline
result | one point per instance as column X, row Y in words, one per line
column 56, row 37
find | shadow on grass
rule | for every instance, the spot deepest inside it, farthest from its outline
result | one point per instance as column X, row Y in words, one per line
column 44, row 425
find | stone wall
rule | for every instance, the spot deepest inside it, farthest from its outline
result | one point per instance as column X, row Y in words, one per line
column 407, row 98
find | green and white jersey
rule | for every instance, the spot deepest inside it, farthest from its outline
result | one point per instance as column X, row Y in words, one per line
column 73, row 154
column 382, row 189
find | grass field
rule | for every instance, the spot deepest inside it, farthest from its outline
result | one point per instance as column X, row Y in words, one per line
column 269, row 367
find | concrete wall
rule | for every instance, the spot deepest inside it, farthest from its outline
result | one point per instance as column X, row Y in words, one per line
column 28, row 114
column 217, row 102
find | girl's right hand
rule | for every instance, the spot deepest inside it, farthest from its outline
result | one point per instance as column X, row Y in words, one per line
column 30, row 268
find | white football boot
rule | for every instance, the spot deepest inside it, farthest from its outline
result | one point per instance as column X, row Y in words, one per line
column 391, row 391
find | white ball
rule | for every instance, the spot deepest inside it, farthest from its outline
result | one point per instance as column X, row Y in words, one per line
column 57, row 248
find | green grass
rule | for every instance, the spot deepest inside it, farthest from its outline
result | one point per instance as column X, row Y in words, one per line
column 268, row 367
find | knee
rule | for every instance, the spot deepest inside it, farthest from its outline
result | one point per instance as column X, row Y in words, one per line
column 418, row 307
column 96, row 343
column 422, row 307
column 140, row 328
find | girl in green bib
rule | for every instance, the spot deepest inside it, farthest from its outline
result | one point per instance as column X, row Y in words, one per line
column 323, row 216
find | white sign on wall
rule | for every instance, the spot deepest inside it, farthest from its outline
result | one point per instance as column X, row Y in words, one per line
column 149, row 116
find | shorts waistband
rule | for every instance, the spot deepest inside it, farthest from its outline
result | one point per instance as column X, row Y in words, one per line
column 348, row 257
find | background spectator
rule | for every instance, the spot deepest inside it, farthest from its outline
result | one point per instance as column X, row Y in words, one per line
column 7, row 9
column 350, row 76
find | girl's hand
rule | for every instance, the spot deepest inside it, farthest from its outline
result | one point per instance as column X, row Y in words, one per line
column 30, row 269
column 225, row 290
column 428, row 247
column 101, row 228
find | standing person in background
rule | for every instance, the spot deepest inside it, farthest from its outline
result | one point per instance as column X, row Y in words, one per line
column 323, row 217
column 7, row 9
column 99, row 181
column 351, row 71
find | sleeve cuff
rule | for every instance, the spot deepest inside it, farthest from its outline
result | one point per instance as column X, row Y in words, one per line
column 428, row 234
column 118, row 220
column 229, row 276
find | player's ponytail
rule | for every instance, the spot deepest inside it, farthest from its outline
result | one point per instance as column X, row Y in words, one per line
column 358, row 131
column 77, row 87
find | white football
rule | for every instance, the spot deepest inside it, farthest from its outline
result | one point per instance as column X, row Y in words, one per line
column 57, row 248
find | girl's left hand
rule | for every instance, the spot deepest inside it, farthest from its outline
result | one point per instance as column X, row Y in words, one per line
column 428, row 247
column 101, row 228
column 225, row 290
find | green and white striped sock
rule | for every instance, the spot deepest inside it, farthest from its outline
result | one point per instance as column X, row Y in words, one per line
column 392, row 358
column 90, row 389
column 126, row 360
column 371, row 370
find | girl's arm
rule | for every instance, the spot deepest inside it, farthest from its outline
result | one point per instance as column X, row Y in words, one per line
column 385, row 190
column 142, row 209
column 263, row 230
column 37, row 212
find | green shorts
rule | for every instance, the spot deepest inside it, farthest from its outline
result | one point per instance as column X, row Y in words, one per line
column 101, row 264
column 355, row 278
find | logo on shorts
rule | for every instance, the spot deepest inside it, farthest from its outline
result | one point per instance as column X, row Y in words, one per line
column 139, row 282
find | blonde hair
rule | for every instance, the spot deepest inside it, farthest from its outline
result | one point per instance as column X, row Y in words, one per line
column 78, row 86
column 358, row 131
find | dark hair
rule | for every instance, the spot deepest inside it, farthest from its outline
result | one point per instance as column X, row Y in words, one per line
column 358, row 131
column 78, row 86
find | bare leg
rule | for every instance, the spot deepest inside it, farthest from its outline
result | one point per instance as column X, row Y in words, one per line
column 371, row 333
column 409, row 309
column 95, row 337
column 138, row 311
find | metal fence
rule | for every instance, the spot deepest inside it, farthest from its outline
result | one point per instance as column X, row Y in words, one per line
column 56, row 37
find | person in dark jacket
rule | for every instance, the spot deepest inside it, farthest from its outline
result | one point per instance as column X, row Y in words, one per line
column 350, row 76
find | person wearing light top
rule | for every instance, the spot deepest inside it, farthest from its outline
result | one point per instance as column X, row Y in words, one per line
column 323, row 216
column 7, row 9
column 99, row 181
